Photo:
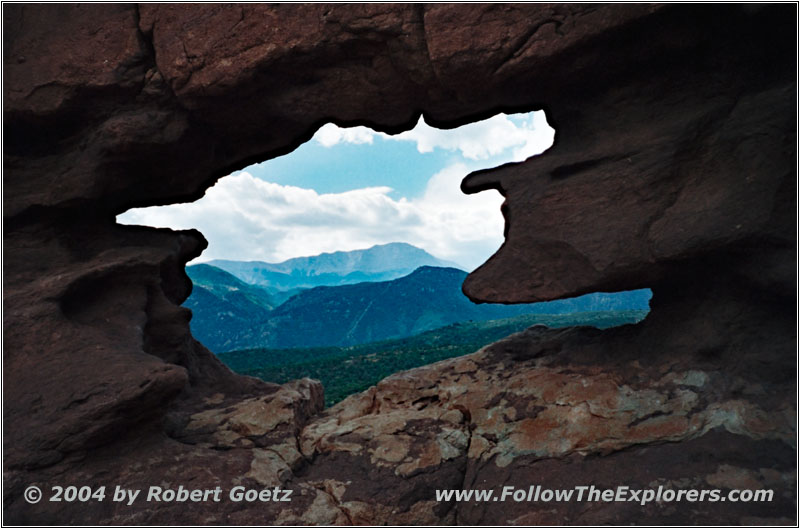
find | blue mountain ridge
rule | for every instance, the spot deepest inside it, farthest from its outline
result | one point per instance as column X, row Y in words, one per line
column 230, row 314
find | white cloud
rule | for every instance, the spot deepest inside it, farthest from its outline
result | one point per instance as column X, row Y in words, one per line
column 329, row 135
column 463, row 228
column 526, row 134
column 246, row 218
column 537, row 134
column 475, row 141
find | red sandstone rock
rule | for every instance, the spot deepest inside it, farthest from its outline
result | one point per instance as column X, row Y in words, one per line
column 674, row 168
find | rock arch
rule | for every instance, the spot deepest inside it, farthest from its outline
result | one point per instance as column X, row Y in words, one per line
column 674, row 167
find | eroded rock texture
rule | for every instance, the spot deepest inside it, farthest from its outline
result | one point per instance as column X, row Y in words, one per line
column 673, row 168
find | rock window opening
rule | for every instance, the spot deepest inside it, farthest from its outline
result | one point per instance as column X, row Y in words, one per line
column 343, row 260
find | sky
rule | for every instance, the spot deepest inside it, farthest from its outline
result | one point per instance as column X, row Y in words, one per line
column 352, row 188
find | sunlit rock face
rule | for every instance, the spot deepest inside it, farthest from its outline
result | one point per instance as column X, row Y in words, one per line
column 673, row 168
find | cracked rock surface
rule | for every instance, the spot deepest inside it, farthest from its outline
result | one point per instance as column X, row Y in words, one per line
column 674, row 168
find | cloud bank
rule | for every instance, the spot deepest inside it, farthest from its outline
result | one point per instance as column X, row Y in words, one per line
column 246, row 218
column 249, row 219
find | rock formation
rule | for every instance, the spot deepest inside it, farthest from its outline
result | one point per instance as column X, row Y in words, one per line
column 673, row 168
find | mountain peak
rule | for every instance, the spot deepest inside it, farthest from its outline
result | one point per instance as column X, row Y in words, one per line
column 365, row 259
column 381, row 262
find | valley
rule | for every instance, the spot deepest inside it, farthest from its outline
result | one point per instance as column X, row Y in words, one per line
column 352, row 318
column 347, row 370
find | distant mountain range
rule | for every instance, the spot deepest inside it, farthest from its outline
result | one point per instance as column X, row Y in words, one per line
column 231, row 314
column 426, row 299
column 379, row 263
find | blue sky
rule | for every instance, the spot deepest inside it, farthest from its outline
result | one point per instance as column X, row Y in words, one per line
column 349, row 166
column 352, row 188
